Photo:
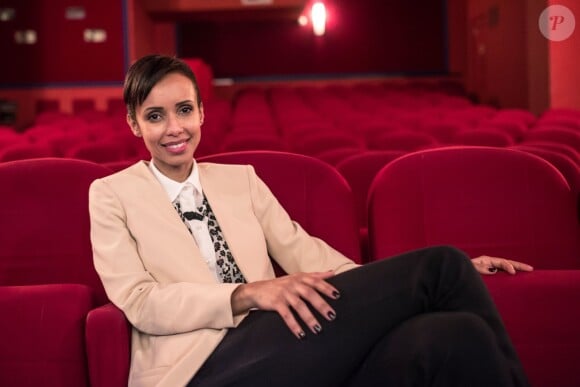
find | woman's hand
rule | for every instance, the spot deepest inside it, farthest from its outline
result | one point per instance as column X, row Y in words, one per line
column 490, row 265
column 288, row 294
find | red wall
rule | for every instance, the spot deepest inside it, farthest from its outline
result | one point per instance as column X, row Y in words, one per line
column 61, row 54
column 362, row 37
column 564, row 64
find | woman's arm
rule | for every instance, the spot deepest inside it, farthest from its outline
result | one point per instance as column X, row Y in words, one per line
column 158, row 308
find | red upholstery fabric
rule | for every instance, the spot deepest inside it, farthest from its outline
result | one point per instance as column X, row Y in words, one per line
column 540, row 311
column 492, row 201
column 252, row 141
column 563, row 163
column 483, row 137
column 335, row 156
column 116, row 166
column 563, row 149
column 100, row 152
column 314, row 194
column 43, row 335
column 45, row 224
column 108, row 341
column 403, row 141
column 46, row 207
column 566, row 136
column 25, row 151
column 359, row 171
column 204, row 76
column 313, row 144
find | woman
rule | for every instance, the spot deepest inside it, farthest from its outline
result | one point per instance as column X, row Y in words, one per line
column 183, row 250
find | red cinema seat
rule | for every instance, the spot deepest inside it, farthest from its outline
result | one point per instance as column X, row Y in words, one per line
column 499, row 202
column 486, row 201
column 313, row 193
column 24, row 151
column 252, row 141
column 100, row 152
column 483, row 137
column 45, row 240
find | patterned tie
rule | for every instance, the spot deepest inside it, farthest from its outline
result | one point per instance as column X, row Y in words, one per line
column 228, row 270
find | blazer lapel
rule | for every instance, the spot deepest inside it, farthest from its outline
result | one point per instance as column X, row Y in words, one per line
column 232, row 221
column 161, row 210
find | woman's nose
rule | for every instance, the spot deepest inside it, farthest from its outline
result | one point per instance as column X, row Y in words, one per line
column 174, row 125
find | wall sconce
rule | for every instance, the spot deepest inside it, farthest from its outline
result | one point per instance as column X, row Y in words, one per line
column 318, row 16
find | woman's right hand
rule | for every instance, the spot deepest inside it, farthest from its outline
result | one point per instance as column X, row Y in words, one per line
column 287, row 294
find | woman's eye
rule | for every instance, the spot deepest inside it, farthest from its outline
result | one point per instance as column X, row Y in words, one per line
column 186, row 110
column 154, row 117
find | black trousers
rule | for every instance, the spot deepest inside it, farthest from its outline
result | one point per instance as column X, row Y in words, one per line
column 423, row 318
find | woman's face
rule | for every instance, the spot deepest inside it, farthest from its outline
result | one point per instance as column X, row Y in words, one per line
column 169, row 121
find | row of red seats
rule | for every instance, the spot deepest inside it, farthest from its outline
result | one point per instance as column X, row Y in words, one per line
column 311, row 121
column 484, row 200
column 102, row 145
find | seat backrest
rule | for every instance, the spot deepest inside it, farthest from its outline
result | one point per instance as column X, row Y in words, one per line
column 558, row 135
column 486, row 201
column 563, row 163
column 483, row 137
column 313, row 193
column 44, row 229
column 403, row 140
column 25, row 151
column 316, row 143
column 103, row 151
column 359, row 171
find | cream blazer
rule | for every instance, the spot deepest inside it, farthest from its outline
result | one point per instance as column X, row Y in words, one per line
column 153, row 271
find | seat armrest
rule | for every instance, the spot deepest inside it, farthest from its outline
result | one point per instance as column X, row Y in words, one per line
column 108, row 341
column 43, row 340
column 542, row 315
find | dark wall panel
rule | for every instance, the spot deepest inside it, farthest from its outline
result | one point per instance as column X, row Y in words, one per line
column 61, row 54
column 363, row 36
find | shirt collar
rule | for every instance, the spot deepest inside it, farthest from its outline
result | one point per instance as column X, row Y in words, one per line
column 173, row 188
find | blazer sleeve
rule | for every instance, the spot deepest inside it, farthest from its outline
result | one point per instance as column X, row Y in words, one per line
column 288, row 243
column 153, row 307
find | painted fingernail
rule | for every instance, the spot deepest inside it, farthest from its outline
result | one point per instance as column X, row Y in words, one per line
column 331, row 316
column 336, row 294
column 301, row 335
column 492, row 269
column 317, row 328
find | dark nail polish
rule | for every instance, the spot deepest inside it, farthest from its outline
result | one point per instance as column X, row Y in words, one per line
column 317, row 328
column 336, row 294
column 301, row 335
column 331, row 316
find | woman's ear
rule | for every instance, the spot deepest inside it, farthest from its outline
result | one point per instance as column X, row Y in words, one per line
column 201, row 114
column 134, row 126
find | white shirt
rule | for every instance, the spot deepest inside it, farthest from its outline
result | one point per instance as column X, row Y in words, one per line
column 190, row 196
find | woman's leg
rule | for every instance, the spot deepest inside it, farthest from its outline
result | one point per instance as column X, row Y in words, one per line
column 436, row 349
column 375, row 299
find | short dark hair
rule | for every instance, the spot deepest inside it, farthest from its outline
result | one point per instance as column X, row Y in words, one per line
column 144, row 74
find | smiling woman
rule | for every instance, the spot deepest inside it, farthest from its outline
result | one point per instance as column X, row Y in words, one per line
column 168, row 116
column 185, row 250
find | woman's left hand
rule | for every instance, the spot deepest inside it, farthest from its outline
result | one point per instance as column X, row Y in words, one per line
column 490, row 265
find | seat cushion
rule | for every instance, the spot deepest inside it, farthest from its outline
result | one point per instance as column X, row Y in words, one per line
column 43, row 328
